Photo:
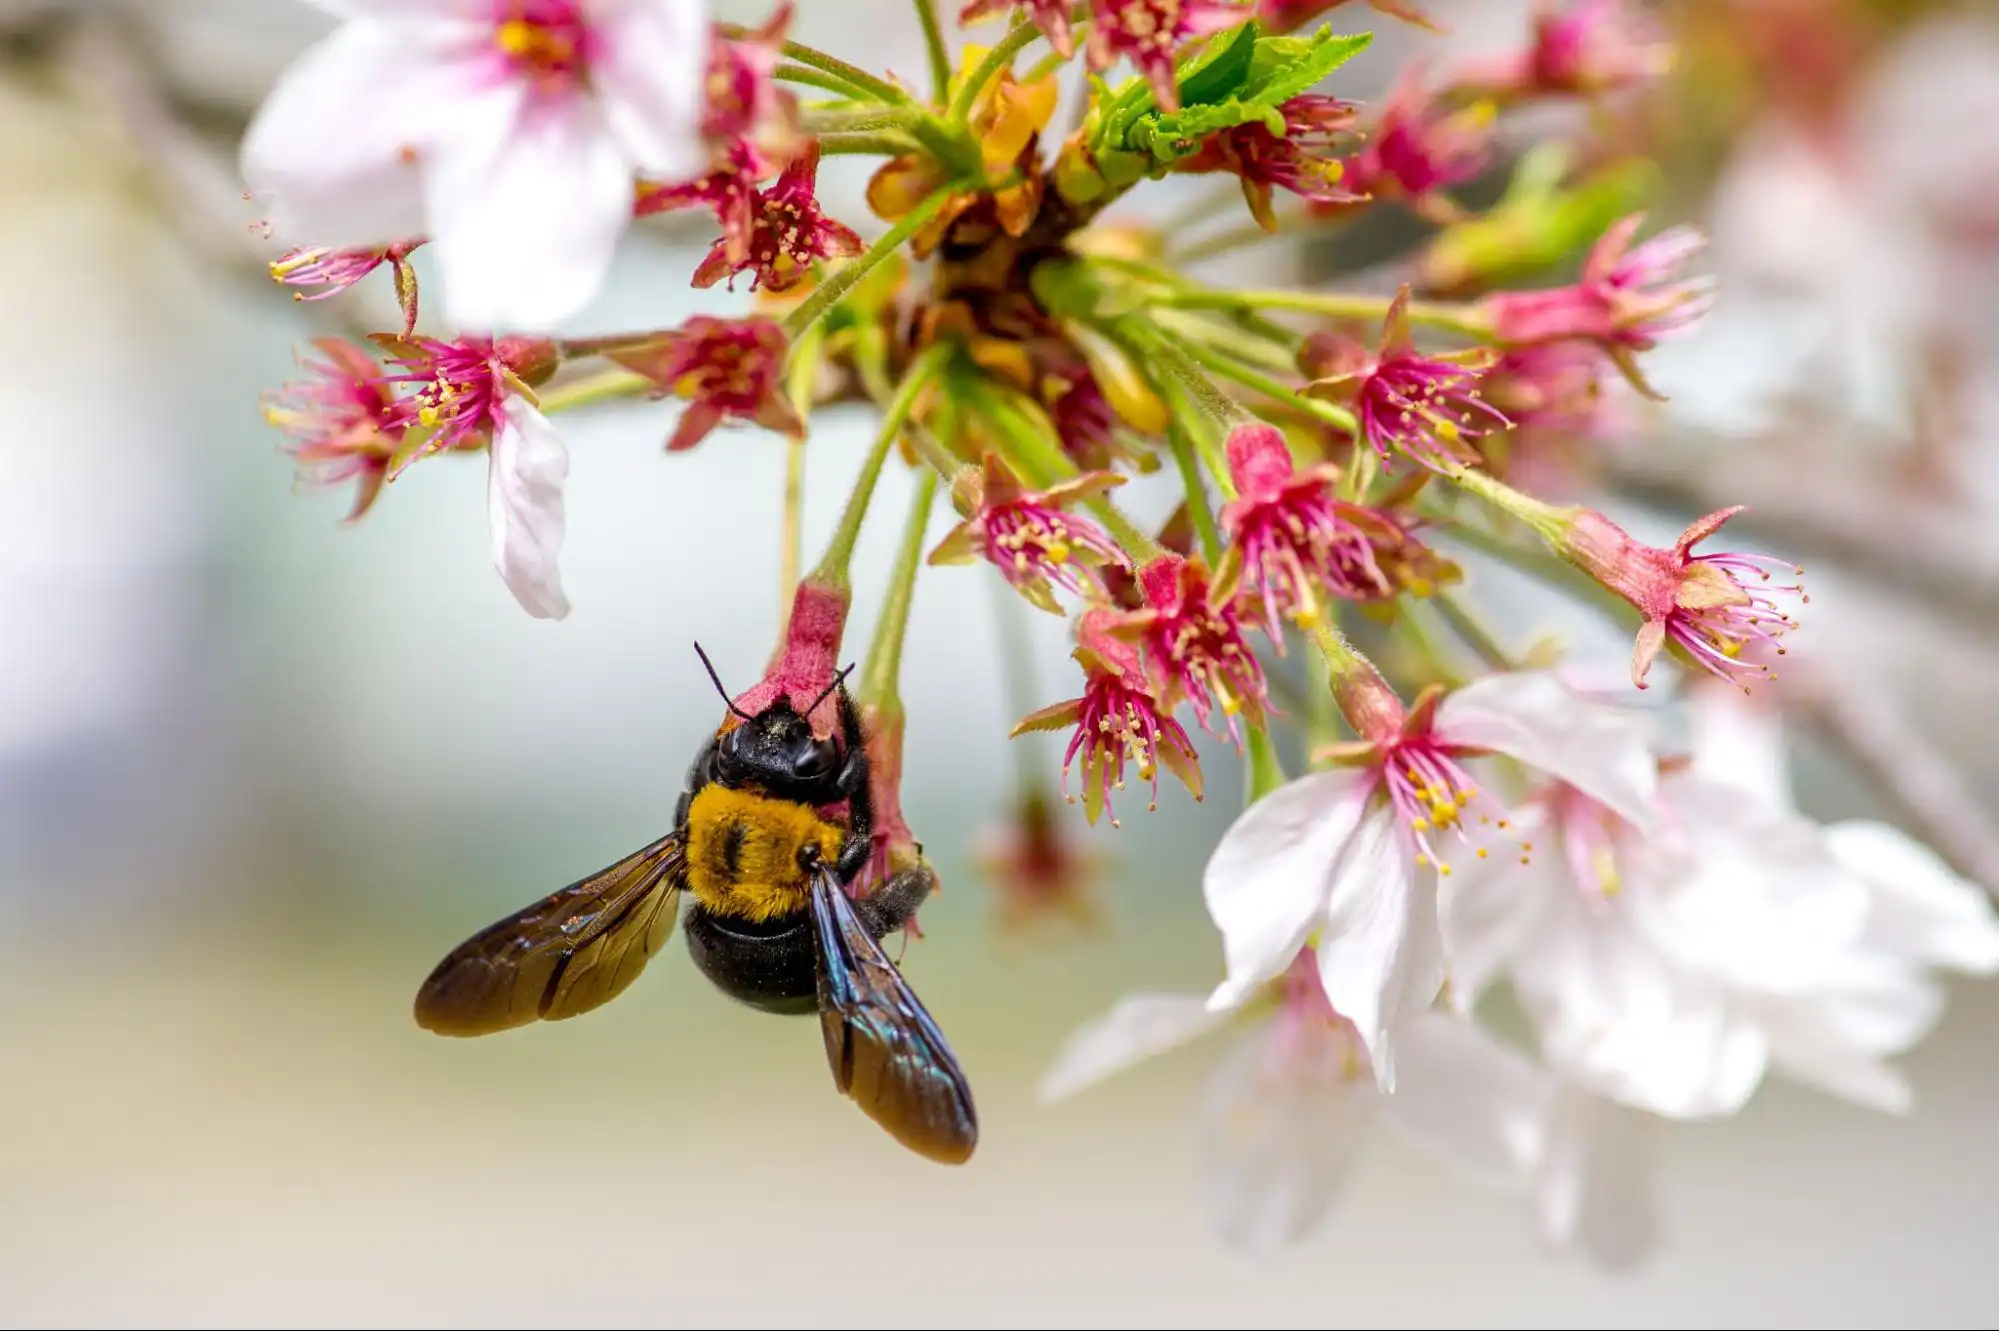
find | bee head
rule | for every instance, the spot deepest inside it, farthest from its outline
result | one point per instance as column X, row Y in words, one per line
column 776, row 749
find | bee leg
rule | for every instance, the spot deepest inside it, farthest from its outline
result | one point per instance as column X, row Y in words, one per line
column 852, row 784
column 891, row 906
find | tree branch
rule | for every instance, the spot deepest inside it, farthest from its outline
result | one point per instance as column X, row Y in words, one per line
column 1859, row 718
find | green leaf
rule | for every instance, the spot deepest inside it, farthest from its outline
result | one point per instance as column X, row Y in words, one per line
column 1241, row 81
column 1219, row 70
column 1280, row 71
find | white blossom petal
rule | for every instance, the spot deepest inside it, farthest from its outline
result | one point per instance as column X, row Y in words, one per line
column 1813, row 1043
column 1876, row 1003
column 1381, row 953
column 524, row 502
column 1597, row 1180
column 1923, row 912
column 1762, row 903
column 1629, row 1020
column 525, row 212
column 1490, row 908
column 1533, row 717
column 1267, row 883
column 651, row 74
column 335, row 145
column 1694, row 1057
column 1278, row 1130
column 1476, row 1103
column 1738, row 742
column 1136, row 1028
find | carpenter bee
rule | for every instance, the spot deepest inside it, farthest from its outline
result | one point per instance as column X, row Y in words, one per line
column 758, row 842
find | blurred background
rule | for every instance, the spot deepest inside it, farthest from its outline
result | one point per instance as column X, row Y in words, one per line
column 259, row 770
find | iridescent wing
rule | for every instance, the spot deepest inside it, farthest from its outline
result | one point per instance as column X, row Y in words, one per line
column 886, row 1052
column 572, row 951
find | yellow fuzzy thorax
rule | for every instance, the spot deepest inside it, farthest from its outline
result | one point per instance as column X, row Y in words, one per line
column 742, row 852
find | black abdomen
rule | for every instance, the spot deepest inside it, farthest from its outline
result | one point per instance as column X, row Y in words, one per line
column 770, row 966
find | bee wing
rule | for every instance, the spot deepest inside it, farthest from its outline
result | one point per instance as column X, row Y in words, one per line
column 886, row 1052
column 572, row 951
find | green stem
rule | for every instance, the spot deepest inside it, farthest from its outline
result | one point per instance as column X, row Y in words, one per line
column 1472, row 631
column 1198, row 508
column 1549, row 522
column 1463, row 319
column 871, row 359
column 800, row 375
column 885, row 144
column 1000, row 57
column 1131, row 538
column 855, row 121
column 880, row 676
column 1342, row 657
column 814, row 58
column 1168, row 355
column 1434, row 659
column 578, row 348
column 933, row 43
column 1054, row 60
column 833, row 566
column 1249, row 346
column 603, row 386
column 1229, row 368
column 813, row 78
column 828, row 292
column 1262, row 772
column 1550, row 569
column 1323, row 722
column 938, row 458
column 1536, row 563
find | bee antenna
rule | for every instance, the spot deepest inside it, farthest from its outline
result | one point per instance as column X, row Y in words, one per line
column 726, row 699
column 838, row 680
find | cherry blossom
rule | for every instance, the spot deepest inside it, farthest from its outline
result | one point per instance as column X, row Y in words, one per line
column 1352, row 855
column 508, row 131
column 1289, row 1109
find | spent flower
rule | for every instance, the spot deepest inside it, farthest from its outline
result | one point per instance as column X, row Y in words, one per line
column 1190, row 627
column 479, row 391
column 1118, row 722
column 1299, row 160
column 1624, row 302
column 1028, row 535
column 1418, row 147
column 1589, row 48
column 341, row 422
column 1427, row 408
column 788, row 234
column 725, row 369
column 1299, row 543
column 330, row 272
column 1726, row 611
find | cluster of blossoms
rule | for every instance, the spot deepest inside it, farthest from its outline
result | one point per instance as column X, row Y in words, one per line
column 1671, row 925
